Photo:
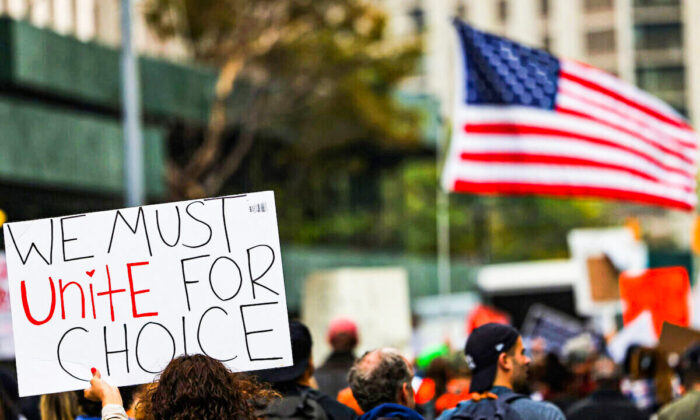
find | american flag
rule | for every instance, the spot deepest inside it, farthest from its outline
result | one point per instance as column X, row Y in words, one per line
column 531, row 123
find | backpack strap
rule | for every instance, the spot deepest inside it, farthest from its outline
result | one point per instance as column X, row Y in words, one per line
column 513, row 397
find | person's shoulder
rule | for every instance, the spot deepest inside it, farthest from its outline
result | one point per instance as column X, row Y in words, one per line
column 678, row 406
column 447, row 414
column 545, row 409
column 335, row 409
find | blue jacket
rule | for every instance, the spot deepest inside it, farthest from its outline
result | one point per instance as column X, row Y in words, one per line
column 391, row 411
column 525, row 407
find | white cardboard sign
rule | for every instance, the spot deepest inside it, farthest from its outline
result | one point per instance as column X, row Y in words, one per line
column 127, row 290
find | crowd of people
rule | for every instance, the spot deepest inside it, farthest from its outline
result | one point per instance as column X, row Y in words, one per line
column 495, row 377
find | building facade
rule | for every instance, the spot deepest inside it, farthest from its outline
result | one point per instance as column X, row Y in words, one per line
column 651, row 43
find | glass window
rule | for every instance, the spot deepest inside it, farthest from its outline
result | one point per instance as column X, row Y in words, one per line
column 503, row 10
column 418, row 16
column 657, row 2
column 658, row 36
column 461, row 11
column 598, row 4
column 661, row 78
column 601, row 41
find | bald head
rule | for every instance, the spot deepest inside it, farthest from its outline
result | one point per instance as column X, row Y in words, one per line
column 381, row 376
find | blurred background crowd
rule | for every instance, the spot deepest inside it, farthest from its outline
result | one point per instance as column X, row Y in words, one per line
column 342, row 107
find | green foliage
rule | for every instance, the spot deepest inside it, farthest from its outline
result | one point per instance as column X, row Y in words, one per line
column 484, row 228
column 317, row 76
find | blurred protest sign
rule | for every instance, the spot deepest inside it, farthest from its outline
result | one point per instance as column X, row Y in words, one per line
column 7, row 345
column 602, row 276
column 664, row 292
column 600, row 253
column 484, row 314
column 695, row 306
column 376, row 299
column 639, row 331
column 127, row 290
column 677, row 339
column 554, row 327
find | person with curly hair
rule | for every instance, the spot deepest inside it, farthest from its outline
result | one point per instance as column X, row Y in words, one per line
column 192, row 387
column 381, row 383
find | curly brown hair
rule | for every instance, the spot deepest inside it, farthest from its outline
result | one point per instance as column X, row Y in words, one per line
column 199, row 387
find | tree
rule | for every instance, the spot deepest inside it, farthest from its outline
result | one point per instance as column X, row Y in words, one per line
column 318, row 74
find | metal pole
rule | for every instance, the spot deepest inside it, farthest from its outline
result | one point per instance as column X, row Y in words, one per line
column 131, row 109
column 443, row 225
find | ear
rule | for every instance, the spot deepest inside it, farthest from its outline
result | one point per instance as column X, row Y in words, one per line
column 407, row 397
column 505, row 362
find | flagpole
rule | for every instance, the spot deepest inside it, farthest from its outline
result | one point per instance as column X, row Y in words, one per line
column 442, row 220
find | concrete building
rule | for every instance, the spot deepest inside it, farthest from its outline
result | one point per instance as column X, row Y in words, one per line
column 651, row 43
column 92, row 20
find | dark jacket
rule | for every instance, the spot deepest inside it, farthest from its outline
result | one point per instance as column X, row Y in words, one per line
column 334, row 410
column 605, row 405
column 391, row 411
column 332, row 376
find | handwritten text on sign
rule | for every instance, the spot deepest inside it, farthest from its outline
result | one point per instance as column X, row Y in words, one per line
column 125, row 291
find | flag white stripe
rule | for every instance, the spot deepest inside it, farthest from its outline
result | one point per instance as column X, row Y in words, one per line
column 566, row 175
column 557, row 146
column 543, row 118
column 608, row 117
column 686, row 137
column 612, row 83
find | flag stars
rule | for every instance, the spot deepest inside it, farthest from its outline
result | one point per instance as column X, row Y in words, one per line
column 502, row 72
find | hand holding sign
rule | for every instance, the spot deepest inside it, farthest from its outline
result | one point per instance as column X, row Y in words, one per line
column 128, row 290
column 101, row 391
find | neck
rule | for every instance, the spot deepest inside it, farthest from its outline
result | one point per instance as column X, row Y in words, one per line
column 502, row 381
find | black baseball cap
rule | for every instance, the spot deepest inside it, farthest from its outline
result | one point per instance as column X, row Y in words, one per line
column 482, row 349
column 301, row 353
column 689, row 364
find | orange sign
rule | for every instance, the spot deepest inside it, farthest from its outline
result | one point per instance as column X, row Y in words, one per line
column 483, row 314
column 662, row 291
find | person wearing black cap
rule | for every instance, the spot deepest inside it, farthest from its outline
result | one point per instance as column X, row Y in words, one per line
column 496, row 357
column 299, row 400
column 687, row 407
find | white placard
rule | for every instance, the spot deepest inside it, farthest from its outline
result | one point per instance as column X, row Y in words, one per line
column 640, row 331
column 127, row 290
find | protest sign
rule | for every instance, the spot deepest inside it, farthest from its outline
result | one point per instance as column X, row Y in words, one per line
column 639, row 331
column 555, row 327
column 620, row 250
column 664, row 292
column 677, row 339
column 127, row 290
column 7, row 345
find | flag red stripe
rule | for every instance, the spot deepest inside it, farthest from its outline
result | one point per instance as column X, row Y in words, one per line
column 680, row 142
column 625, row 100
column 633, row 133
column 515, row 188
column 521, row 129
column 561, row 160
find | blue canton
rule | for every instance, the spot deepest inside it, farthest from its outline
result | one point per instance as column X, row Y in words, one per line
column 502, row 72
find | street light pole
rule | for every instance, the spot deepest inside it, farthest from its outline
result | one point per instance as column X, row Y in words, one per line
column 131, row 110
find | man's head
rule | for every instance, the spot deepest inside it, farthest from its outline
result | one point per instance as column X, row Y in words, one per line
column 381, row 376
column 342, row 335
column 303, row 367
column 606, row 374
column 689, row 367
column 496, row 356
